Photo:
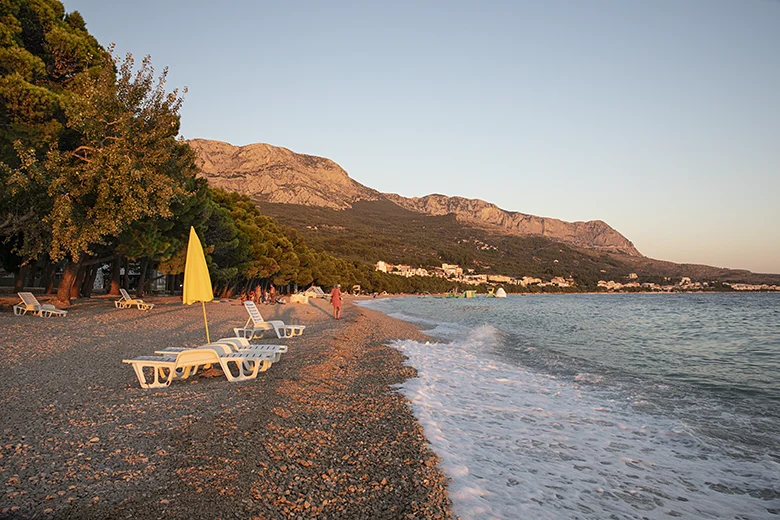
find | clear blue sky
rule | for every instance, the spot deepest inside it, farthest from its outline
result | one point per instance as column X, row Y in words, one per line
column 661, row 118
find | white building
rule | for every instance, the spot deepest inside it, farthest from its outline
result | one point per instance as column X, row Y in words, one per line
column 452, row 270
column 529, row 280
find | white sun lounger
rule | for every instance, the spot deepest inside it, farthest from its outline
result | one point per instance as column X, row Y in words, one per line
column 256, row 325
column 125, row 302
column 181, row 365
column 30, row 303
column 315, row 292
column 236, row 345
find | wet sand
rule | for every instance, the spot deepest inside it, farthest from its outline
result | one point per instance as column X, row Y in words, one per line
column 322, row 434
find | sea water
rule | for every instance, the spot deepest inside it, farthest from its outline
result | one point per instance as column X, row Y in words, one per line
column 601, row 406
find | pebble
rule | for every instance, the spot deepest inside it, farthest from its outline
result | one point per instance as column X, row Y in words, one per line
column 322, row 434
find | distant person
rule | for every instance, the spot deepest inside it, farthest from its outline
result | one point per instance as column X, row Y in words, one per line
column 335, row 300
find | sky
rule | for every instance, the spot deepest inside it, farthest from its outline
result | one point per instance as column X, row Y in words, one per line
column 661, row 118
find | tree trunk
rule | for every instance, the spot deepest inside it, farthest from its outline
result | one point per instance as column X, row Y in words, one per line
column 47, row 275
column 126, row 278
column 69, row 275
column 116, row 267
column 33, row 272
column 21, row 274
column 75, row 290
column 89, row 280
column 139, row 291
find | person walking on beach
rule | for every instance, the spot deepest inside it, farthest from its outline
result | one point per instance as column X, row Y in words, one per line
column 335, row 300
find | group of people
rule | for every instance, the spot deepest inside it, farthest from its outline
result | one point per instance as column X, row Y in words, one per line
column 260, row 295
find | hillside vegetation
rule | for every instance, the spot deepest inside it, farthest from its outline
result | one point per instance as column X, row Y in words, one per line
column 381, row 230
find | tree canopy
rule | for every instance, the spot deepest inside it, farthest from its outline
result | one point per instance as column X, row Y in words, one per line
column 93, row 172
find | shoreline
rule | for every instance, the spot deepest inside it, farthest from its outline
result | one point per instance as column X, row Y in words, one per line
column 321, row 434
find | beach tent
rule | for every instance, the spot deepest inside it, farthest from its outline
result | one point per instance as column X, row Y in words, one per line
column 197, row 282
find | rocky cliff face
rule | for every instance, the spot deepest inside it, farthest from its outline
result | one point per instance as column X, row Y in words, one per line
column 593, row 234
column 272, row 174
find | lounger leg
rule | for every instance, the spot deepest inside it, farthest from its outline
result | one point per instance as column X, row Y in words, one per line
column 228, row 374
column 139, row 373
column 244, row 372
column 262, row 366
column 159, row 373
column 185, row 372
column 252, row 372
column 259, row 365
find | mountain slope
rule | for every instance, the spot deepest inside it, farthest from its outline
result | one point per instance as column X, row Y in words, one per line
column 337, row 214
column 276, row 175
column 593, row 234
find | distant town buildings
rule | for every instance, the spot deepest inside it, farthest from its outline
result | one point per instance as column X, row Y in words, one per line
column 456, row 273
column 451, row 270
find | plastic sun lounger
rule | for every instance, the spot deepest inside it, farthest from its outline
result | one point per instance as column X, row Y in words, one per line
column 242, row 344
column 30, row 303
column 125, row 302
column 315, row 292
column 256, row 324
column 227, row 349
column 236, row 345
column 181, row 365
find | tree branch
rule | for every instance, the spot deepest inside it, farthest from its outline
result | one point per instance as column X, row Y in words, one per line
column 74, row 153
column 93, row 261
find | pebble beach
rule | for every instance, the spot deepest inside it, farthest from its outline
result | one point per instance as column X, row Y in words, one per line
column 322, row 434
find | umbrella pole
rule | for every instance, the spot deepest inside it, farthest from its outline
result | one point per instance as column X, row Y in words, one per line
column 208, row 340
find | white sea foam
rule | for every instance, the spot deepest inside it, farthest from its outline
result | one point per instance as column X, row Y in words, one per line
column 522, row 445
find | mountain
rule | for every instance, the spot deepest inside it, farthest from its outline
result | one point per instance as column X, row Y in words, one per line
column 335, row 213
column 271, row 174
column 593, row 234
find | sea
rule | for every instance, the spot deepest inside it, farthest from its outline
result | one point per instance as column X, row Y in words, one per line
column 600, row 406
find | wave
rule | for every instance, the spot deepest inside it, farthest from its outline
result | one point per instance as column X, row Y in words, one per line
column 527, row 427
column 520, row 444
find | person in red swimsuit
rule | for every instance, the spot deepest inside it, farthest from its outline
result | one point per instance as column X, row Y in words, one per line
column 335, row 300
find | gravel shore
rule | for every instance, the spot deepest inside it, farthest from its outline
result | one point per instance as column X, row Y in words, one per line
column 322, row 434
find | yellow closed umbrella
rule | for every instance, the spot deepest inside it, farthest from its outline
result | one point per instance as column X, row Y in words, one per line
column 197, row 282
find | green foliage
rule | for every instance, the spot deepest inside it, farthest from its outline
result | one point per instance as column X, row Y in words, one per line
column 41, row 52
column 245, row 248
column 381, row 230
column 128, row 166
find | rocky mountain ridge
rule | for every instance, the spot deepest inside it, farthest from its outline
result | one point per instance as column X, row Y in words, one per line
column 593, row 234
column 272, row 174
